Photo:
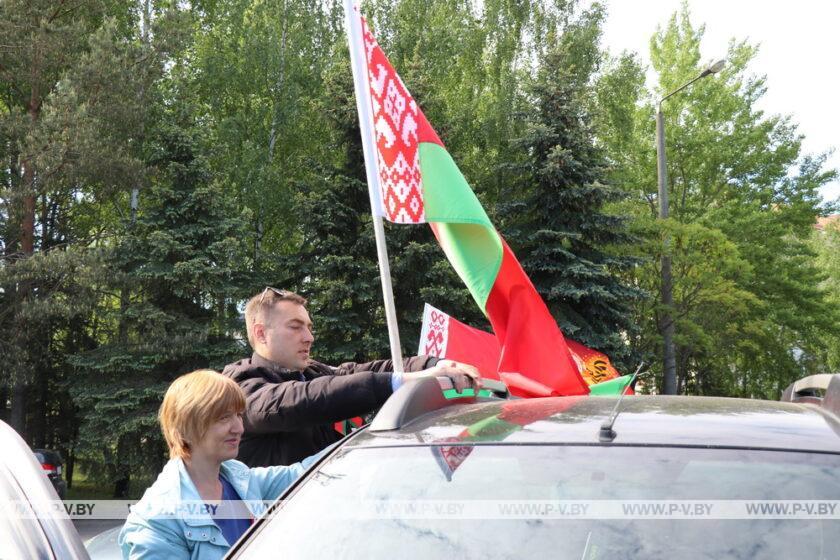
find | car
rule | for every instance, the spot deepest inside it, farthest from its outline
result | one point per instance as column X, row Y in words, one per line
column 105, row 545
column 570, row 477
column 52, row 464
column 34, row 523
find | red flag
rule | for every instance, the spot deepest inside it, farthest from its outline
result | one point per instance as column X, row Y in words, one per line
column 446, row 337
column 419, row 182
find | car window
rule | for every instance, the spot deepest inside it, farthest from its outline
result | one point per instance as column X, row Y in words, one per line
column 473, row 502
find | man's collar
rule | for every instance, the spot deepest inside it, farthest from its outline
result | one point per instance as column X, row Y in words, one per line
column 259, row 361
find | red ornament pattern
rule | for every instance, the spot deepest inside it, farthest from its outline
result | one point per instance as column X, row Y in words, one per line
column 396, row 119
column 438, row 334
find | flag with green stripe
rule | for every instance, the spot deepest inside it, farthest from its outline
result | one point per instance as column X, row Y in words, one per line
column 420, row 183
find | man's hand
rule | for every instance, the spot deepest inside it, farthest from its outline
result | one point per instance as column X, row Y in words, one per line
column 463, row 376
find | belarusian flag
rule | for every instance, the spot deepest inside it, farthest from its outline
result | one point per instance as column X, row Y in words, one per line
column 419, row 182
column 446, row 337
column 451, row 452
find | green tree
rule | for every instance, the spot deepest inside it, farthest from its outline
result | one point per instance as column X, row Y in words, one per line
column 87, row 149
column 63, row 108
column 184, row 263
column 734, row 170
column 41, row 40
column 257, row 68
column 335, row 263
column 556, row 212
column 825, row 353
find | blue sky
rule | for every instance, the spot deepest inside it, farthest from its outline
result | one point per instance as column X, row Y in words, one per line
column 799, row 43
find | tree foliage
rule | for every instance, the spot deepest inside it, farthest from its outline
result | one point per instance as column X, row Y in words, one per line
column 556, row 212
column 163, row 161
column 735, row 175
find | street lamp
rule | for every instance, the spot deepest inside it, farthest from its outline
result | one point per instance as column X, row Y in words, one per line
column 666, row 324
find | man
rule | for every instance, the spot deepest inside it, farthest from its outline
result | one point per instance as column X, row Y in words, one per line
column 292, row 401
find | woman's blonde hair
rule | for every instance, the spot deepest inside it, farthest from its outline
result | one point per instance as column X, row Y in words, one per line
column 192, row 403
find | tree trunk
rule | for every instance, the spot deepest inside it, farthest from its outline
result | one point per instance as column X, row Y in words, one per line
column 4, row 398
column 27, row 223
column 27, row 247
column 275, row 127
column 17, row 419
column 38, row 428
column 70, row 467
column 121, row 486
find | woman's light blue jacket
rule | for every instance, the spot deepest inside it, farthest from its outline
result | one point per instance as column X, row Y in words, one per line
column 184, row 533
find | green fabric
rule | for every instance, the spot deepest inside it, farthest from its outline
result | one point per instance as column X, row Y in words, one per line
column 610, row 388
column 491, row 429
column 466, row 235
column 453, row 394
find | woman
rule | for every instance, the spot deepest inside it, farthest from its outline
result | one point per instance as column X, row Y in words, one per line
column 203, row 500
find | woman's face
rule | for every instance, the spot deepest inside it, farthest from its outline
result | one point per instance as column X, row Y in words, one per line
column 221, row 442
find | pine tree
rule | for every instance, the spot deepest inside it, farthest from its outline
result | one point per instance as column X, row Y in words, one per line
column 183, row 263
column 41, row 40
column 556, row 217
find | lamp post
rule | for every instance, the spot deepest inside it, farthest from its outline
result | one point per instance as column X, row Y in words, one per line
column 666, row 324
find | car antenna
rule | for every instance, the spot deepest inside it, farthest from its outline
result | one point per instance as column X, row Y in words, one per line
column 607, row 433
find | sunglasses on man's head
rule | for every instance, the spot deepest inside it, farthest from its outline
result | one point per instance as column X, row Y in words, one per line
column 281, row 293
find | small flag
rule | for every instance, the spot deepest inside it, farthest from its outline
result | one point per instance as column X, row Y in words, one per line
column 446, row 337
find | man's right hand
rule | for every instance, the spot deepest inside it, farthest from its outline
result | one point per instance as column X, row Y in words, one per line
column 463, row 376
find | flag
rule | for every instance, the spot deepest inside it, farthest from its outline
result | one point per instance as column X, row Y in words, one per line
column 445, row 337
column 451, row 452
column 594, row 366
column 420, row 183
column 468, row 345
column 344, row 427
column 615, row 386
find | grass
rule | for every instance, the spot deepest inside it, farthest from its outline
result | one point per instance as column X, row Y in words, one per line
column 84, row 489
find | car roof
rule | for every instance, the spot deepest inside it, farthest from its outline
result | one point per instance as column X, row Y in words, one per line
column 642, row 420
column 49, row 455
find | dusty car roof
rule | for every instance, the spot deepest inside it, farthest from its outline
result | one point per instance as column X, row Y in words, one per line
column 643, row 420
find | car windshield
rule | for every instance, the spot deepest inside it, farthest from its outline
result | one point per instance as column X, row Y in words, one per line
column 504, row 501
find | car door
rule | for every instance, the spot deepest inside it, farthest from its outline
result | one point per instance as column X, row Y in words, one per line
column 35, row 525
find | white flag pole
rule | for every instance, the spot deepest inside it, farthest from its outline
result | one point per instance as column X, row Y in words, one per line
column 359, row 63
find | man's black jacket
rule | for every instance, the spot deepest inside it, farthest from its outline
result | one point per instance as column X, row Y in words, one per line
column 289, row 415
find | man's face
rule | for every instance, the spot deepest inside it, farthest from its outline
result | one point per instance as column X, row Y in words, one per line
column 286, row 336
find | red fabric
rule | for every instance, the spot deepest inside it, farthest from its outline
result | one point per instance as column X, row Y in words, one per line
column 595, row 366
column 481, row 349
column 354, row 423
column 474, row 347
column 524, row 412
column 532, row 344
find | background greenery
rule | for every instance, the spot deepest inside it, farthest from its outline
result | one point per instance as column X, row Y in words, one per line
column 161, row 161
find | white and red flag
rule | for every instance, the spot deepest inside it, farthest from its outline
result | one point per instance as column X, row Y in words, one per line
column 415, row 180
column 446, row 337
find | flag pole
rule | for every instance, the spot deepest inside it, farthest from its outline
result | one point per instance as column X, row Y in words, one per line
column 363, row 106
